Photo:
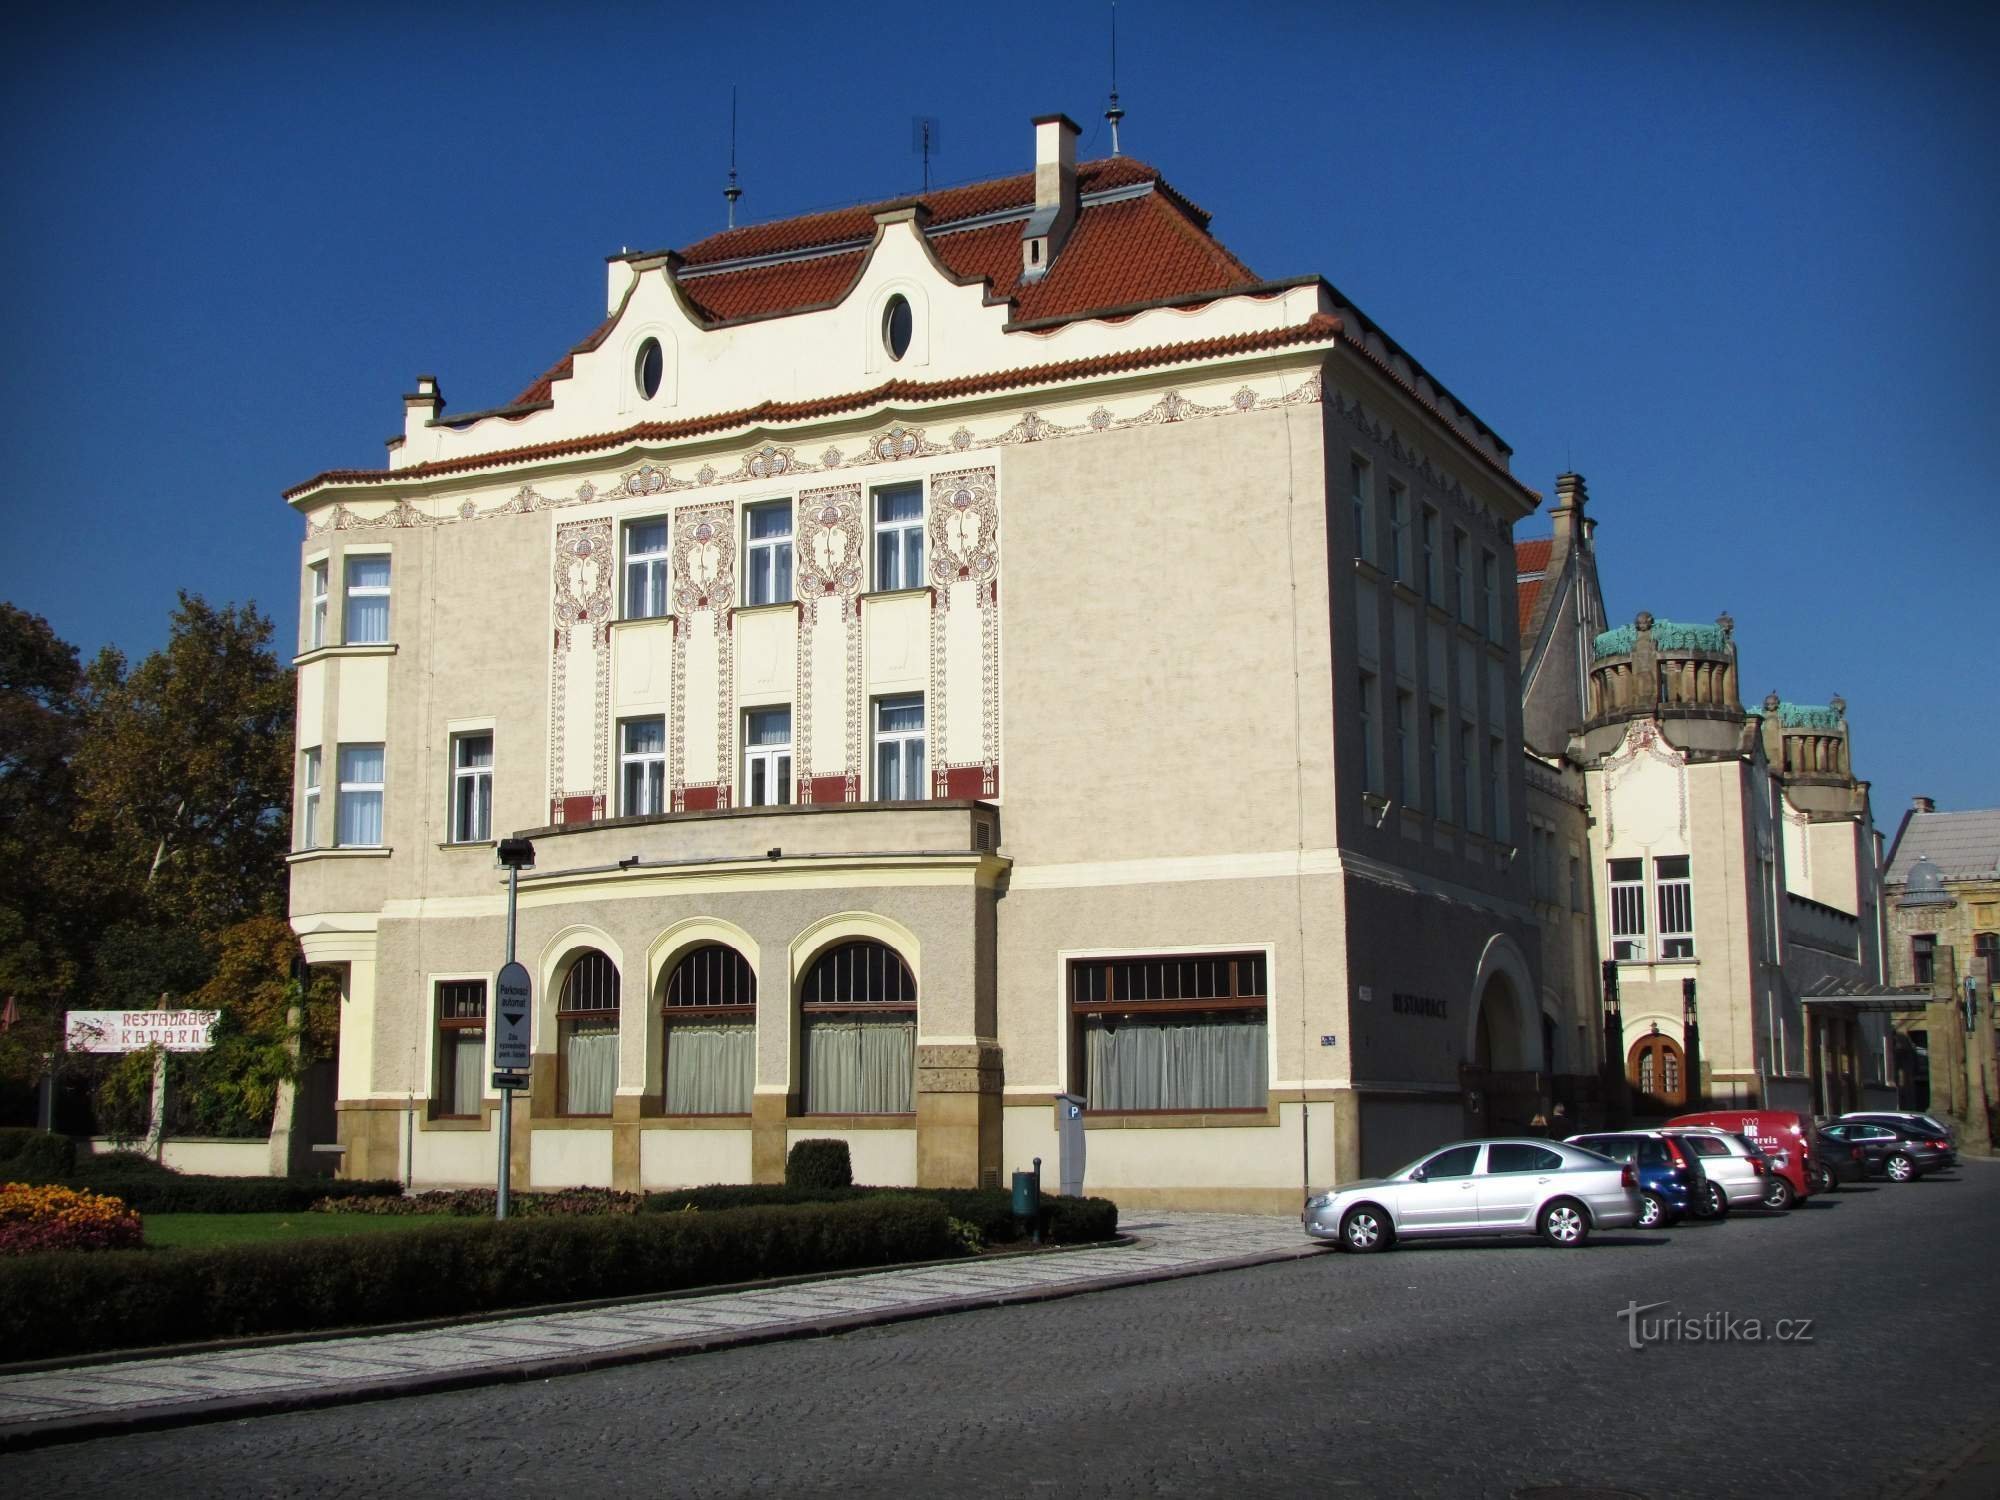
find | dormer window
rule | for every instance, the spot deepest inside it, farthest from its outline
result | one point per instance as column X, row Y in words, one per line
column 648, row 369
column 899, row 325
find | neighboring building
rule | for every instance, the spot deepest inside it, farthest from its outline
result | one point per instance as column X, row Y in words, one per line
column 1727, row 857
column 946, row 653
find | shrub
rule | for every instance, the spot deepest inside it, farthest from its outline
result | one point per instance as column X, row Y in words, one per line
column 57, row 1304
column 1065, row 1221
column 478, row 1203
column 35, row 1155
column 157, row 1191
column 35, row 1218
column 819, row 1164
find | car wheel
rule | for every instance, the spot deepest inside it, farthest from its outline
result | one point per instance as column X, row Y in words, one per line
column 1714, row 1202
column 1365, row 1230
column 1564, row 1223
column 1778, row 1194
column 1652, row 1212
column 1825, row 1180
column 1900, row 1168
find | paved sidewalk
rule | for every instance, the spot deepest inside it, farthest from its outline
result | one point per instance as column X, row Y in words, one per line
column 96, row 1399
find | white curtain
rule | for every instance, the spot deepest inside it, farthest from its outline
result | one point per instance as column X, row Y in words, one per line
column 1180, row 1063
column 709, row 1068
column 863, row 1066
column 590, row 1066
column 464, row 1074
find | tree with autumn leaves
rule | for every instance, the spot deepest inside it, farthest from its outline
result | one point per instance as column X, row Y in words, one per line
column 144, row 819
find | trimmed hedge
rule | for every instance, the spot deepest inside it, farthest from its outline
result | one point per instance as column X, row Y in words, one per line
column 28, row 1155
column 1065, row 1221
column 479, row 1203
column 71, row 1304
column 819, row 1164
column 149, row 1188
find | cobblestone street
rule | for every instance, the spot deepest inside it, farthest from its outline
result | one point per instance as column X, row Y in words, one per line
column 1454, row 1370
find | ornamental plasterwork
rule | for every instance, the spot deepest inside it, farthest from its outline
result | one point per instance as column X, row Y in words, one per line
column 964, row 524
column 1643, row 742
column 583, row 591
column 831, row 545
column 896, row 442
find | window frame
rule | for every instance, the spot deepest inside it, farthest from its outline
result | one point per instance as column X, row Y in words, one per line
column 1360, row 480
column 1498, row 825
column 453, row 1108
column 1461, row 575
column 1249, row 993
column 735, row 1010
column 1440, row 767
column 461, row 774
column 811, row 1004
column 658, row 574
column 1464, row 769
column 1399, row 531
column 651, row 760
column 761, row 556
column 568, row 1016
column 318, row 582
column 1371, row 767
column 311, row 774
column 1923, row 957
column 1625, row 901
column 1429, row 538
column 345, row 789
column 1679, row 890
column 351, row 591
column 769, row 757
column 901, row 738
column 1406, row 746
column 1489, row 574
column 905, row 530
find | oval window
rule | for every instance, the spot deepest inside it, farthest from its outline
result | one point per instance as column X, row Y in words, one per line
column 898, row 323
column 649, row 368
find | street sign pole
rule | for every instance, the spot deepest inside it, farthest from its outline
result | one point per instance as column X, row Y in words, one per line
column 513, row 1011
column 507, row 1094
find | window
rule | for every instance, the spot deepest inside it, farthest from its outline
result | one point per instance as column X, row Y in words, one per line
column 1496, row 801
column 1457, row 1162
column 1430, row 559
column 767, row 757
column 1399, row 531
column 1986, row 955
column 1628, row 909
column 1489, row 583
column 471, row 788
column 309, row 799
column 461, row 1053
column 899, row 749
column 1357, row 477
column 358, row 808
column 1170, row 1033
column 710, row 1020
column 316, row 591
column 899, row 537
column 1439, row 807
column 1513, row 1156
column 767, row 576
column 1406, row 748
column 648, row 368
column 1371, row 779
column 1464, row 774
column 1461, row 582
column 642, row 767
column 1923, row 957
column 1674, row 893
column 858, row 1026
column 587, row 1035
column 647, row 544
column 367, row 621
column 898, row 325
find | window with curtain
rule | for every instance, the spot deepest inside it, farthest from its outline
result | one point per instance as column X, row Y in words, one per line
column 710, row 1020
column 367, row 621
column 642, row 766
column 899, row 537
column 648, row 555
column 767, row 553
column 358, row 804
column 1171, row 1033
column 899, row 749
column 858, row 1022
column 461, row 1053
column 587, row 1035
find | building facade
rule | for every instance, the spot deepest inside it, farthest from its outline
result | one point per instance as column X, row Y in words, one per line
column 946, row 653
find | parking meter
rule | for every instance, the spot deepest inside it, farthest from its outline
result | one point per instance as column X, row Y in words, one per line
column 1069, row 1144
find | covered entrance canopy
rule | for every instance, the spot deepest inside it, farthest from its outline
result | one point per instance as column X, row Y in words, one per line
column 1836, row 1010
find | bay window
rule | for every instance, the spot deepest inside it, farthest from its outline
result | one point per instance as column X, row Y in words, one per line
column 309, row 798
column 358, row 798
column 316, row 621
column 367, row 618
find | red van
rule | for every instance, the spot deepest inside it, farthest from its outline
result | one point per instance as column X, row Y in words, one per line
column 1783, row 1135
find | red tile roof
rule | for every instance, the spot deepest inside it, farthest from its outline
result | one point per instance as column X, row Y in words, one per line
column 1531, row 559
column 1319, row 328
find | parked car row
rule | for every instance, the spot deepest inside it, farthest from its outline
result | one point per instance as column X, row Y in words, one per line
column 1693, row 1166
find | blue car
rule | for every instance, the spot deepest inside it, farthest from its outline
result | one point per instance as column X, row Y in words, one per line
column 1672, row 1184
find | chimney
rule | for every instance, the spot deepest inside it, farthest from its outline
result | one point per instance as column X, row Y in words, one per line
column 1572, row 526
column 1922, row 805
column 1055, row 195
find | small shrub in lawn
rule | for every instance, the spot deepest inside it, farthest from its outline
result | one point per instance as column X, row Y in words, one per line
column 62, row 1304
column 39, row 1217
column 35, row 1155
column 819, row 1164
column 479, row 1203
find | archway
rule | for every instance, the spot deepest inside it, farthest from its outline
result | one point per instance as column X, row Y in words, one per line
column 1657, row 1070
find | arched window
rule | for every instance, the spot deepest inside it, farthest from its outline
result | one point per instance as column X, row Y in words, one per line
column 587, row 1036
column 858, row 1008
column 710, row 1016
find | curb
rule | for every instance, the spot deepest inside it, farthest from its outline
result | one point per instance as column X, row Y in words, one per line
column 23, row 1437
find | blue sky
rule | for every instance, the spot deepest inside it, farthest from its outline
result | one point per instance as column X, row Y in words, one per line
column 1734, row 263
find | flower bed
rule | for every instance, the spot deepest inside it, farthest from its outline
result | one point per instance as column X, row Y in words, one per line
column 40, row 1217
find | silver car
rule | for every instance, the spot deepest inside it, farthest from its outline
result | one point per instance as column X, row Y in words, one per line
column 1738, row 1176
column 1550, row 1188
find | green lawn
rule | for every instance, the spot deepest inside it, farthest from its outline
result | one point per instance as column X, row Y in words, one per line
column 198, row 1231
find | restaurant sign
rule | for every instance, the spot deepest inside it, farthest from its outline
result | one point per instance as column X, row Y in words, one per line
column 136, row 1030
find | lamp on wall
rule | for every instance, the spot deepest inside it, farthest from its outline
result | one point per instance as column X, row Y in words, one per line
column 1377, row 805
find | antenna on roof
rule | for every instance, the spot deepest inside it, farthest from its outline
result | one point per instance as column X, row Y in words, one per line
column 1116, row 112
column 924, row 138
column 732, row 192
